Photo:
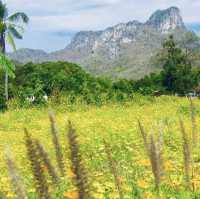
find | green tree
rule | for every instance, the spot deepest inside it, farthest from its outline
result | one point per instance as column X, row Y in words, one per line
column 10, row 28
column 177, row 69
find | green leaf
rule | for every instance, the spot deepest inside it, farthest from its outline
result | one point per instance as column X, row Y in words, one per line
column 7, row 65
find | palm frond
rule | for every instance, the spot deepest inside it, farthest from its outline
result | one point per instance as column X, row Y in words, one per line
column 20, row 28
column 3, row 11
column 10, row 41
column 18, row 17
column 15, row 33
column 7, row 65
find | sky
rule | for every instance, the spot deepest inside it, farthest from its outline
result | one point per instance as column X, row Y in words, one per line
column 53, row 23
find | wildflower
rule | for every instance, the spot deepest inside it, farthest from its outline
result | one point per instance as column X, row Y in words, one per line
column 143, row 184
column 71, row 194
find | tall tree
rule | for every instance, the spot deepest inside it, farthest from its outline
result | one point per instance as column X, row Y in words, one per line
column 177, row 69
column 11, row 27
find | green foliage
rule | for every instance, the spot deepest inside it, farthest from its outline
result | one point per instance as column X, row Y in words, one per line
column 177, row 69
column 62, row 78
column 149, row 85
column 7, row 65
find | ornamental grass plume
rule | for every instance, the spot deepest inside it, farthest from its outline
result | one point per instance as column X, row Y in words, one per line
column 154, row 151
column 187, row 156
column 113, row 169
column 15, row 179
column 144, row 136
column 77, row 165
column 40, row 180
column 57, row 145
column 47, row 162
column 155, row 155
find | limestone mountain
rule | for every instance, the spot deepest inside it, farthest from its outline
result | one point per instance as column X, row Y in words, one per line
column 124, row 50
column 25, row 55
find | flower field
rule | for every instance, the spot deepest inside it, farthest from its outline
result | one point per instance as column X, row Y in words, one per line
column 113, row 152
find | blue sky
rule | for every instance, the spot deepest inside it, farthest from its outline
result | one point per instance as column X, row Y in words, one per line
column 54, row 22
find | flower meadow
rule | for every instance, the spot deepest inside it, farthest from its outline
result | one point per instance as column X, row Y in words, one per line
column 146, row 148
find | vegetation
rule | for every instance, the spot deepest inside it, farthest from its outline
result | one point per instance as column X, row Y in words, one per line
column 106, row 156
column 119, row 143
column 177, row 70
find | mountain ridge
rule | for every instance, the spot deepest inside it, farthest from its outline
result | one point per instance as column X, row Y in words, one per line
column 123, row 50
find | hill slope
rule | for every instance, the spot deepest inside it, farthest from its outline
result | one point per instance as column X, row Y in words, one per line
column 125, row 50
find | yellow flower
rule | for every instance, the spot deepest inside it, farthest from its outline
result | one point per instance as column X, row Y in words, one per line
column 10, row 195
column 148, row 195
column 168, row 165
column 144, row 162
column 71, row 194
column 143, row 184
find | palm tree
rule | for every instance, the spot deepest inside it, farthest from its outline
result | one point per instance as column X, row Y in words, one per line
column 11, row 27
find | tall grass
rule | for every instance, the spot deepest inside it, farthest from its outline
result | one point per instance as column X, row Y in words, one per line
column 57, row 145
column 187, row 156
column 47, row 177
column 15, row 178
column 47, row 162
column 113, row 169
column 77, row 165
column 40, row 179
column 194, row 126
column 154, row 152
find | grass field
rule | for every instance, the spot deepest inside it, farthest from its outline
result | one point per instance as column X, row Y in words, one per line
column 118, row 125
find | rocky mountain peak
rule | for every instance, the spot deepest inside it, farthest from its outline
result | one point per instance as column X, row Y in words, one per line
column 123, row 50
column 166, row 20
column 163, row 21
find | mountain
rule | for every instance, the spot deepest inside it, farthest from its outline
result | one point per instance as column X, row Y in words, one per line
column 125, row 50
column 25, row 55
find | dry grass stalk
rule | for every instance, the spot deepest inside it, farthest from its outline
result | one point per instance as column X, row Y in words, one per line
column 186, row 154
column 160, row 150
column 16, row 182
column 78, row 168
column 113, row 169
column 194, row 126
column 57, row 146
column 144, row 136
column 154, row 151
column 37, row 169
column 156, row 160
column 47, row 162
